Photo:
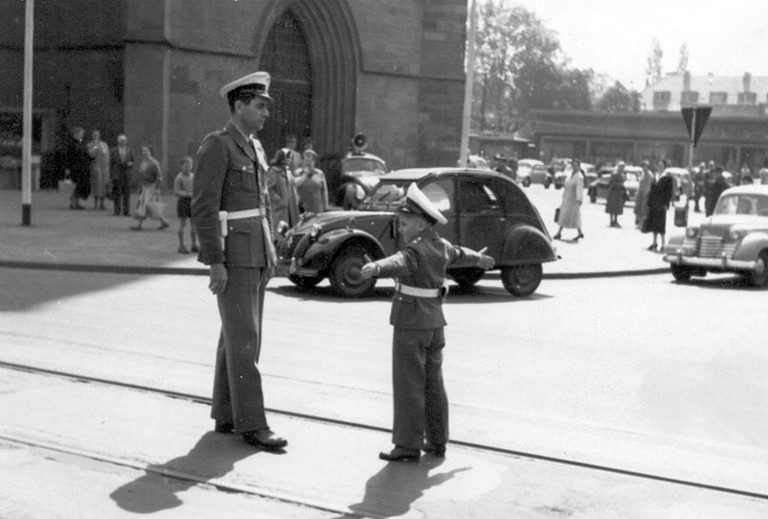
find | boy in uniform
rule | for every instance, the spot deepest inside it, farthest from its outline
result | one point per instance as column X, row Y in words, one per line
column 420, row 402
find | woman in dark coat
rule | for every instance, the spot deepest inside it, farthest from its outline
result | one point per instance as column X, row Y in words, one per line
column 614, row 203
column 659, row 198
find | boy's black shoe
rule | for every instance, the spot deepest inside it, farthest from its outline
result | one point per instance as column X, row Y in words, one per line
column 401, row 454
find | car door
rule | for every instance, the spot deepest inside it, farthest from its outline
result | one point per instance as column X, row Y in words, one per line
column 481, row 216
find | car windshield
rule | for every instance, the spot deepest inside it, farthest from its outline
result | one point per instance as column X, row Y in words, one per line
column 743, row 204
column 360, row 165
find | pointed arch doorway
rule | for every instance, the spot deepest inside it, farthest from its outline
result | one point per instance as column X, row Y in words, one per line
column 312, row 51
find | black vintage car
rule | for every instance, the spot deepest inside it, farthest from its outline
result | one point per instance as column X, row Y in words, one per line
column 484, row 210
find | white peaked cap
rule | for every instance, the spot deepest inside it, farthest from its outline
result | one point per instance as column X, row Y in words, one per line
column 416, row 202
column 258, row 81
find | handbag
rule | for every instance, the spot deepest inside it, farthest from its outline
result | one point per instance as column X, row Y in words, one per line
column 67, row 187
column 557, row 214
column 155, row 207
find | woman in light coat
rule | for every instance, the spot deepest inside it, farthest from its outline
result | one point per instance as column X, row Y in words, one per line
column 641, row 199
column 282, row 191
column 570, row 208
column 99, row 152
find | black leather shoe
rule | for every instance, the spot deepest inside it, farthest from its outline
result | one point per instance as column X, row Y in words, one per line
column 401, row 454
column 265, row 439
column 224, row 427
column 437, row 451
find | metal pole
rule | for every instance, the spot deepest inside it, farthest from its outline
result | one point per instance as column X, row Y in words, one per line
column 26, row 161
column 693, row 133
column 470, row 77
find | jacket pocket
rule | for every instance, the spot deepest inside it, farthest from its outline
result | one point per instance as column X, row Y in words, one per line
column 238, row 246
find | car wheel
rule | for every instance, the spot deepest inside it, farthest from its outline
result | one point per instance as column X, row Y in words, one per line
column 467, row 277
column 522, row 280
column 526, row 182
column 304, row 282
column 759, row 277
column 345, row 273
column 681, row 273
column 547, row 183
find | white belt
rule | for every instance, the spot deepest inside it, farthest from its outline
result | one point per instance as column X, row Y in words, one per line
column 225, row 216
column 417, row 292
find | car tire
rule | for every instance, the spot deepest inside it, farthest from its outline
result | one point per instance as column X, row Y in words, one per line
column 547, row 184
column 759, row 277
column 526, row 182
column 681, row 273
column 345, row 273
column 521, row 280
column 467, row 277
column 304, row 282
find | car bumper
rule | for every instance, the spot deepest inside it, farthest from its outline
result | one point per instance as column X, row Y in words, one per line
column 716, row 263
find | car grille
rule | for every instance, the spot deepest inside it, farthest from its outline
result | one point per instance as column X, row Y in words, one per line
column 712, row 246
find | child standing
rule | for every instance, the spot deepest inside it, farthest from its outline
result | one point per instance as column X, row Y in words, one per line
column 182, row 188
column 421, row 405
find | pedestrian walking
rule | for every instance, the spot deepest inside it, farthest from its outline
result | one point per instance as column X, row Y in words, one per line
column 311, row 185
column 614, row 204
column 569, row 216
column 282, row 191
column 99, row 170
column 182, row 188
column 659, row 198
column 420, row 401
column 150, row 180
column 77, row 163
column 120, row 163
column 641, row 198
column 230, row 213
column 719, row 185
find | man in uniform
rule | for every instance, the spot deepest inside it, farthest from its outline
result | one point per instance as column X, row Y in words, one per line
column 421, row 405
column 230, row 213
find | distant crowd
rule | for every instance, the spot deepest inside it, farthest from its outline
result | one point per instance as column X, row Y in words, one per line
column 94, row 170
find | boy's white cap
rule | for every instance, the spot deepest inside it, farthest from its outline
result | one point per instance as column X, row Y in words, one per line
column 416, row 202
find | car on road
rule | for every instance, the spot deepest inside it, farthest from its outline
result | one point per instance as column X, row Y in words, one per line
column 564, row 174
column 532, row 171
column 360, row 172
column 683, row 183
column 599, row 188
column 733, row 239
column 484, row 209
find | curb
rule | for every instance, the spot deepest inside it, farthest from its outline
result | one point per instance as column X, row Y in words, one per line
column 180, row 271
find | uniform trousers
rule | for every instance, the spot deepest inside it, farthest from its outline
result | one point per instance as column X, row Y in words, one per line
column 237, row 391
column 421, row 404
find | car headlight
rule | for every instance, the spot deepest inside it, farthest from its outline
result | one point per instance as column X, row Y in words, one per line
column 736, row 234
column 692, row 232
column 314, row 232
column 359, row 192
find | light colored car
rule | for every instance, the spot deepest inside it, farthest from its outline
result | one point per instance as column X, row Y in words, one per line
column 599, row 188
column 533, row 171
column 360, row 173
column 683, row 183
column 733, row 239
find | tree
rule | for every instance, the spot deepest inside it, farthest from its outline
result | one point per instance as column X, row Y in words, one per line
column 618, row 99
column 653, row 70
column 518, row 67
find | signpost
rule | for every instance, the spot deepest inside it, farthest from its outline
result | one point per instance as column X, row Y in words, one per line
column 695, row 120
column 26, row 140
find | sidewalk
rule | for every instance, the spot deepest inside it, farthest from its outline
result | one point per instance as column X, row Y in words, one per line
column 59, row 236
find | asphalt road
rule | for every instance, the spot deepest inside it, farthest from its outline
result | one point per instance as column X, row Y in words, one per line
column 637, row 373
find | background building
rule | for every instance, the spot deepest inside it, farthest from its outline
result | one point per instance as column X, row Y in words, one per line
column 392, row 69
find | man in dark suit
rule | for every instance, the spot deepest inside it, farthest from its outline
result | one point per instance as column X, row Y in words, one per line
column 120, row 164
column 231, row 215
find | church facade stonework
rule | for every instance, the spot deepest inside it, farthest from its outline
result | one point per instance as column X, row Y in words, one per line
column 392, row 69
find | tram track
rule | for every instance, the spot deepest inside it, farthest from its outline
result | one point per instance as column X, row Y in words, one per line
column 355, row 425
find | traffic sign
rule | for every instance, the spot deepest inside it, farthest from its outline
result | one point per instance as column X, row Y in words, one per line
column 695, row 120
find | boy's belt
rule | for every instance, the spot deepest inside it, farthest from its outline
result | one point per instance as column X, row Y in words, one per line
column 417, row 292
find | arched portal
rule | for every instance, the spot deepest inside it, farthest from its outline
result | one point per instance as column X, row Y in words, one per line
column 312, row 50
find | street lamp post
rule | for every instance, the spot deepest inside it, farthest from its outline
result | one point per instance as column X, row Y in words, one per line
column 26, row 150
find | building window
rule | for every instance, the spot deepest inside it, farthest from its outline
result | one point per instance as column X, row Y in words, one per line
column 718, row 98
column 747, row 98
column 691, row 97
column 661, row 99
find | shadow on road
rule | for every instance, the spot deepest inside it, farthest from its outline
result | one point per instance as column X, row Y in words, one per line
column 212, row 457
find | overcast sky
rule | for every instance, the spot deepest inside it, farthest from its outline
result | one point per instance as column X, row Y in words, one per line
column 725, row 37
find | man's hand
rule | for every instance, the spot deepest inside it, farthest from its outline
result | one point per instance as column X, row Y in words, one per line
column 486, row 262
column 218, row 278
